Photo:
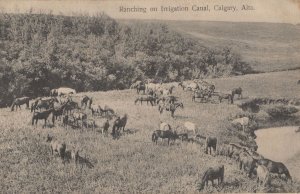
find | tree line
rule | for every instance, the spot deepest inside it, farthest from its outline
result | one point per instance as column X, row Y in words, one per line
column 91, row 53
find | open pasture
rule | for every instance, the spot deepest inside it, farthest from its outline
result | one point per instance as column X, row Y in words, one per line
column 132, row 163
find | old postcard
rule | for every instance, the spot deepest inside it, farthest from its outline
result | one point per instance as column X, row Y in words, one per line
column 162, row 96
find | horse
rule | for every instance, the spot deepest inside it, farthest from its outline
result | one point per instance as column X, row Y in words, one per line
column 203, row 94
column 246, row 162
column 163, row 134
column 210, row 142
column 203, row 85
column 119, row 124
column 170, row 107
column 211, row 174
column 86, row 101
column 58, row 112
column 20, row 101
column 275, row 167
column 71, row 105
column 139, row 86
column 103, row 125
column 45, row 103
column 79, row 116
column 263, row 174
column 244, row 122
column 41, row 115
column 57, row 146
column 237, row 91
column 98, row 109
column 225, row 96
column 224, row 150
column 65, row 91
column 190, row 127
column 146, row 98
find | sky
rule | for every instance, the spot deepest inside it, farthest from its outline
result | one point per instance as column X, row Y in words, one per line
column 276, row 11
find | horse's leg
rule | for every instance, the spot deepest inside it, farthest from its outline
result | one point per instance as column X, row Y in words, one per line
column 212, row 182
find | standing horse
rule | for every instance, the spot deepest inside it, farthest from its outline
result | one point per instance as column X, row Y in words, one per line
column 237, row 91
column 210, row 142
column 164, row 134
column 45, row 103
column 41, row 115
column 211, row 174
column 20, row 101
column 225, row 96
column 146, row 98
column 86, row 101
column 119, row 124
column 170, row 107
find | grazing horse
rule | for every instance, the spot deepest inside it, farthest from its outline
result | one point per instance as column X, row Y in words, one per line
column 211, row 174
column 247, row 163
column 139, row 86
column 170, row 107
column 244, row 122
column 119, row 124
column 164, row 134
column 275, row 167
column 86, row 101
column 41, row 115
column 237, row 91
column 263, row 174
column 146, row 98
column 45, row 103
column 225, row 96
column 99, row 110
column 210, row 142
column 20, row 101
column 57, row 146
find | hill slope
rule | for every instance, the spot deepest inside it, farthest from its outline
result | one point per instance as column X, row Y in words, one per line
column 265, row 46
column 133, row 164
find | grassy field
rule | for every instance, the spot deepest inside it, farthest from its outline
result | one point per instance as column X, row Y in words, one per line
column 265, row 46
column 133, row 164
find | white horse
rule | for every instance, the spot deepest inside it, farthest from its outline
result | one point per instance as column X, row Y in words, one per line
column 190, row 127
column 65, row 91
column 244, row 121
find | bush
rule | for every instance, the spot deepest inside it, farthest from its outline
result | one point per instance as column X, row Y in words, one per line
column 278, row 112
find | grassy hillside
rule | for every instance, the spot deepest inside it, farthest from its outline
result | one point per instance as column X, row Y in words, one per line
column 133, row 164
column 265, row 46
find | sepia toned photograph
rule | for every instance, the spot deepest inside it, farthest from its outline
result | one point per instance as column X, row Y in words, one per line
column 140, row 96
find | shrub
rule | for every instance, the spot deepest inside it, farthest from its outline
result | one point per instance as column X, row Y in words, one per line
column 278, row 112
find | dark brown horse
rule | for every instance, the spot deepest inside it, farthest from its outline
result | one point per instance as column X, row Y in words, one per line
column 210, row 142
column 119, row 124
column 20, row 101
column 41, row 115
column 58, row 112
column 237, row 91
column 211, row 174
column 86, row 101
column 225, row 96
column 275, row 167
column 164, row 134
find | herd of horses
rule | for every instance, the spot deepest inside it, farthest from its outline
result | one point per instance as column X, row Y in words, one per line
column 63, row 107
